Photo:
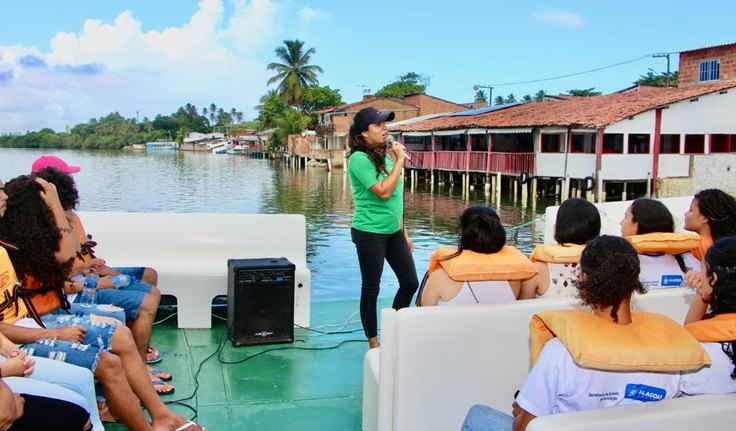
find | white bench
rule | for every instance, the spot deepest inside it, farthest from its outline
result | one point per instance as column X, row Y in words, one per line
column 436, row 362
column 190, row 252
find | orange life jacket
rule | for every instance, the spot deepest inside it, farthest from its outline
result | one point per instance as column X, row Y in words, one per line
column 12, row 306
column 42, row 299
column 651, row 342
column 716, row 329
column 507, row 264
column 557, row 253
column 665, row 242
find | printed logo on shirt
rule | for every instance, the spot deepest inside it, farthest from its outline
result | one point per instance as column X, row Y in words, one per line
column 671, row 280
column 644, row 393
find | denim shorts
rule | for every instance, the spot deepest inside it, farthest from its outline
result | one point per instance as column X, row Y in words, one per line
column 83, row 354
column 136, row 273
column 107, row 310
column 129, row 300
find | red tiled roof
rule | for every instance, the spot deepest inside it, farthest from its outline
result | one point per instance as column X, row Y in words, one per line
column 347, row 106
column 593, row 112
column 708, row 47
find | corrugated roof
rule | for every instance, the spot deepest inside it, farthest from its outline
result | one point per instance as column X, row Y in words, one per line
column 592, row 112
column 708, row 47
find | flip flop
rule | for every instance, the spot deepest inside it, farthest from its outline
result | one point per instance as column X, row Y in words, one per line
column 164, row 392
column 153, row 355
column 166, row 377
column 188, row 425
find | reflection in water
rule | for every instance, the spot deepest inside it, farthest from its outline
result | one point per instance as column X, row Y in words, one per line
column 197, row 182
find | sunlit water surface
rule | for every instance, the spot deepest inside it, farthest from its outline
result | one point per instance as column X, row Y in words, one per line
column 198, row 182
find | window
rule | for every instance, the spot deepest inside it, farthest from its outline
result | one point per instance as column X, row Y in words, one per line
column 551, row 143
column 669, row 144
column 613, row 143
column 583, row 143
column 722, row 143
column 638, row 143
column 694, row 144
column 710, row 70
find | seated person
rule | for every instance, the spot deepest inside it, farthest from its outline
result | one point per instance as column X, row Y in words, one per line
column 712, row 215
column 715, row 329
column 42, row 253
column 144, row 279
column 578, row 222
column 30, row 412
column 606, row 358
column 664, row 256
column 481, row 269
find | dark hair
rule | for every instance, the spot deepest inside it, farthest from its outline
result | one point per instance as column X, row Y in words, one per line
column 578, row 222
column 651, row 216
column 481, row 230
column 721, row 260
column 29, row 224
column 65, row 186
column 377, row 154
column 610, row 268
column 720, row 209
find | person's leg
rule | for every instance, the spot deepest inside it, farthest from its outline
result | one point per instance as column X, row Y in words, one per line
column 401, row 261
column 119, row 396
column 371, row 250
column 484, row 418
column 66, row 416
column 74, row 378
column 123, row 346
column 99, row 309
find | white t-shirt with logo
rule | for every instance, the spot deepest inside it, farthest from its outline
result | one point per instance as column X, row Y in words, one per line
column 660, row 271
column 557, row 385
column 711, row 379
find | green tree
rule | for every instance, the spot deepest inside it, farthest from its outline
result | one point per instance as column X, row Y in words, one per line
column 480, row 96
column 510, row 98
column 499, row 100
column 587, row 92
column 270, row 107
column 527, row 98
column 539, row 96
column 409, row 83
column 289, row 122
column 662, row 79
column 294, row 74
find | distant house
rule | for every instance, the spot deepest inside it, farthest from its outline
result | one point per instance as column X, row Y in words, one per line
column 708, row 65
column 334, row 122
column 650, row 135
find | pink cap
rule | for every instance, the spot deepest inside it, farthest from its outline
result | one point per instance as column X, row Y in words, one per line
column 53, row 162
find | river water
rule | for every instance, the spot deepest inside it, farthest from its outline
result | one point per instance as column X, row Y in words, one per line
column 199, row 182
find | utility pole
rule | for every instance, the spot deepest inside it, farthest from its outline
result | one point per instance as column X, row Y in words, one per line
column 490, row 92
column 666, row 55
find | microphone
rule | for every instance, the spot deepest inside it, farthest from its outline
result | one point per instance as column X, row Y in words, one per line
column 390, row 142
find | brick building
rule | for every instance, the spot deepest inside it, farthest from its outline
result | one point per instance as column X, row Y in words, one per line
column 708, row 65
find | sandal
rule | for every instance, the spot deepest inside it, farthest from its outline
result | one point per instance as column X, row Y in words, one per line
column 162, row 388
column 105, row 413
column 153, row 355
column 188, row 425
column 155, row 372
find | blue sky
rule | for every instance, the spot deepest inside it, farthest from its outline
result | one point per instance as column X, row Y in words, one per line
column 62, row 63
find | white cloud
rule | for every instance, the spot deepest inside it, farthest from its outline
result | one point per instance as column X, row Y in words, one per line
column 559, row 18
column 307, row 14
column 117, row 66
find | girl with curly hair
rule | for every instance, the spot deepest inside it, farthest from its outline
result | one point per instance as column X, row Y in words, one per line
column 608, row 358
column 32, row 224
column 711, row 320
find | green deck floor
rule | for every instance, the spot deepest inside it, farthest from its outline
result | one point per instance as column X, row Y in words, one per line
column 288, row 389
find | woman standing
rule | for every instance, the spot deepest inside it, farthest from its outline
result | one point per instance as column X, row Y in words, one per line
column 378, row 227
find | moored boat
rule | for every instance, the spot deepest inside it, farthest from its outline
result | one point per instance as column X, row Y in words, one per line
column 161, row 145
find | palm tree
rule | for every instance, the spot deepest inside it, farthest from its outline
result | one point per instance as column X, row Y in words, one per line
column 295, row 73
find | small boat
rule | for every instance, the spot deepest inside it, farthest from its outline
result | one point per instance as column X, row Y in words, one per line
column 219, row 147
column 161, row 145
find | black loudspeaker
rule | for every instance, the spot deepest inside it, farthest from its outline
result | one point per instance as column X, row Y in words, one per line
column 260, row 301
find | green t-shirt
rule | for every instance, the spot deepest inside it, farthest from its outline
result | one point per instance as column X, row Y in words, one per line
column 373, row 214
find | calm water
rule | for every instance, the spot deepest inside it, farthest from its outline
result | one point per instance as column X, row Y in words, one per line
column 197, row 182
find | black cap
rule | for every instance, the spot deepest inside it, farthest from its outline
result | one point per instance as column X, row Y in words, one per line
column 368, row 116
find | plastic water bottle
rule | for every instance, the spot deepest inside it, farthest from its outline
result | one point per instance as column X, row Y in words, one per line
column 120, row 280
column 87, row 296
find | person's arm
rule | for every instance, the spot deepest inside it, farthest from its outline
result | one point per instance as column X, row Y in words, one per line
column 11, row 407
column 68, row 245
column 521, row 418
column 537, row 285
column 385, row 188
column 697, row 310
column 21, row 335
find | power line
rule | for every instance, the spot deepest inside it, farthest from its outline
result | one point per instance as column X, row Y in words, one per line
column 573, row 74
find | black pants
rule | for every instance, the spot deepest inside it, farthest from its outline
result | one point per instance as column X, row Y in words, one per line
column 372, row 249
column 43, row 414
